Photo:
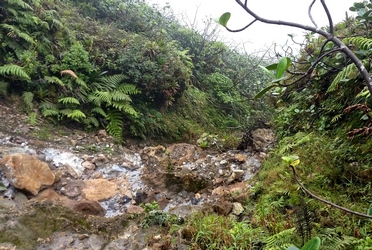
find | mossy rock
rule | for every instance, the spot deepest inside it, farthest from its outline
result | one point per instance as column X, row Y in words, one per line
column 24, row 227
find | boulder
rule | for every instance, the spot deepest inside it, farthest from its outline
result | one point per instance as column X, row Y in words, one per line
column 27, row 172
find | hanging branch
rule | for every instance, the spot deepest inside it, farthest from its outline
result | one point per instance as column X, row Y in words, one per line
column 325, row 201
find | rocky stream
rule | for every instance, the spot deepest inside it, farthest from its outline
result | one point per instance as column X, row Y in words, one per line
column 82, row 191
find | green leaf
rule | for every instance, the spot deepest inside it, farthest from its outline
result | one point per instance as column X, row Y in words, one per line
column 272, row 66
column 312, row 244
column 369, row 211
column 2, row 187
column 262, row 92
column 290, row 159
column 283, row 65
column 267, row 71
column 224, row 19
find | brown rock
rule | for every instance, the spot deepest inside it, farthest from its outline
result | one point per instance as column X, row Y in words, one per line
column 81, row 206
column 27, row 172
column 240, row 158
column 89, row 207
column 88, row 165
column 132, row 209
column 222, row 207
column 99, row 189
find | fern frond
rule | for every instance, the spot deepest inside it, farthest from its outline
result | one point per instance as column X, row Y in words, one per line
column 81, row 83
column 120, row 96
column 95, row 100
column 280, row 240
column 348, row 73
column 69, row 100
column 20, row 3
column 76, row 115
column 48, row 109
column 53, row 79
column 104, row 96
column 115, row 126
column 91, row 120
column 126, row 108
column 15, row 31
column 360, row 42
column 332, row 240
column 128, row 89
column 112, row 82
column 27, row 98
column 12, row 70
column 336, row 118
column 99, row 110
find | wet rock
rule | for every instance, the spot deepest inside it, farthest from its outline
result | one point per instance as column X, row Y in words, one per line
column 262, row 139
column 61, row 159
column 99, row 189
column 27, row 172
column 37, row 143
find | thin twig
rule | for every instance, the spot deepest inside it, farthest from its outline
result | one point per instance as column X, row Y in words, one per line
column 309, row 13
column 325, row 201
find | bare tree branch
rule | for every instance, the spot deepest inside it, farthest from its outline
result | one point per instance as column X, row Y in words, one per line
column 328, row 35
column 325, row 201
column 309, row 13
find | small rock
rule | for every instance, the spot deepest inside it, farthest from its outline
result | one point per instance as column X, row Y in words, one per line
column 88, row 165
column 237, row 209
column 240, row 158
column 73, row 142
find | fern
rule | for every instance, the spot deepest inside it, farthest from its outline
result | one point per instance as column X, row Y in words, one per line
column 104, row 96
column 126, row 108
column 20, row 3
column 27, row 98
column 91, row 120
column 48, row 109
column 99, row 110
column 360, row 42
column 53, row 79
column 120, row 96
column 332, row 240
column 76, row 115
column 15, row 31
column 112, row 82
column 115, row 125
column 12, row 70
column 69, row 100
column 128, row 89
column 350, row 72
column 280, row 240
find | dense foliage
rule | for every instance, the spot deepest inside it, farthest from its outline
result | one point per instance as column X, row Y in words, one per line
column 122, row 65
column 136, row 71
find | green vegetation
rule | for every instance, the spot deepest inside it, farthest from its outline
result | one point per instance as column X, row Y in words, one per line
column 123, row 66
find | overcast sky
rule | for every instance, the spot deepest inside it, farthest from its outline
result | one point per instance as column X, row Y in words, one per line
column 261, row 35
